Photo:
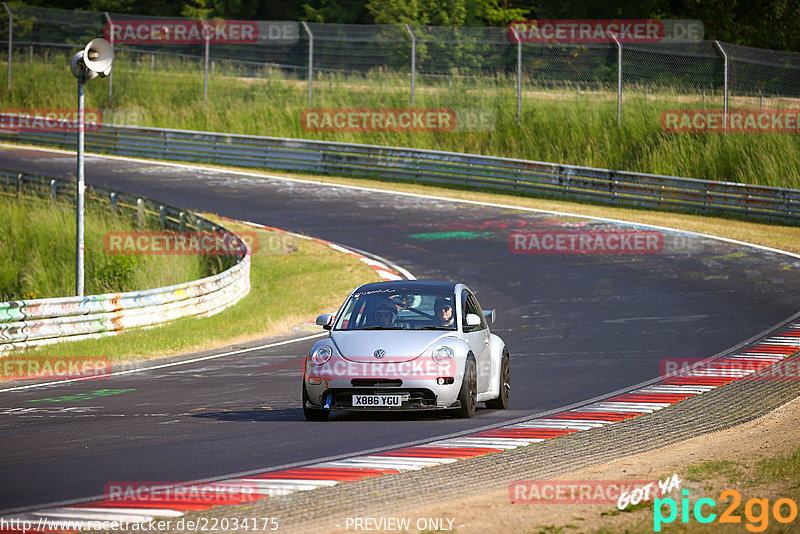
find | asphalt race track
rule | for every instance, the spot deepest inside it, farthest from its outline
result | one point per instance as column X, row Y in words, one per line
column 576, row 325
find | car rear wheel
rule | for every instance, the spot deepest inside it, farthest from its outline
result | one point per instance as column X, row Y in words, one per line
column 468, row 395
column 313, row 414
column 501, row 402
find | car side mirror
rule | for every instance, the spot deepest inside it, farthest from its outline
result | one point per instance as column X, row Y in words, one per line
column 490, row 315
column 325, row 320
column 473, row 320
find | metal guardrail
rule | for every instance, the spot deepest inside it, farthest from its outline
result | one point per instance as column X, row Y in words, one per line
column 26, row 323
column 563, row 181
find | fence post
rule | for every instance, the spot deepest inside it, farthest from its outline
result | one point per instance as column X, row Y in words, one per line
column 725, row 82
column 19, row 186
column 10, row 41
column 519, row 75
column 139, row 212
column 619, row 78
column 111, row 41
column 80, row 193
column 162, row 216
column 310, row 61
column 53, row 191
column 413, row 62
column 206, row 37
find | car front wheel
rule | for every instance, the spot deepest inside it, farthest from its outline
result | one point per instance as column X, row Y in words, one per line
column 501, row 402
column 313, row 414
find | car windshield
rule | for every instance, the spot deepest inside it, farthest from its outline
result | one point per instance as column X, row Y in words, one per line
column 391, row 309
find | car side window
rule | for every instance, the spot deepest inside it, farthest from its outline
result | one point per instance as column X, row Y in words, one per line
column 470, row 305
column 464, row 296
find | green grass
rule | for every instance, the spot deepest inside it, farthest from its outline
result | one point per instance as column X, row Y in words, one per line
column 37, row 254
column 644, row 505
column 785, row 467
column 292, row 281
column 730, row 471
column 557, row 125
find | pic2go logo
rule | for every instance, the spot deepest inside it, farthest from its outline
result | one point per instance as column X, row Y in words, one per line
column 756, row 511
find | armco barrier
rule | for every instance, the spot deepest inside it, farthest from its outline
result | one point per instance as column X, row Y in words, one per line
column 566, row 181
column 25, row 323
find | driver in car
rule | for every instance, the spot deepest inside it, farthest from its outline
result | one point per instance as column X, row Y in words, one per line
column 385, row 314
column 444, row 315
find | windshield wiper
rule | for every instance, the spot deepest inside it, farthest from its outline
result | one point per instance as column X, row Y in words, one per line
column 381, row 328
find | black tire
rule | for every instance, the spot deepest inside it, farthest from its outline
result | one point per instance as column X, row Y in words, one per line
column 468, row 395
column 313, row 414
column 501, row 402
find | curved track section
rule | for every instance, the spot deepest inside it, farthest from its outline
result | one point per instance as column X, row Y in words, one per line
column 578, row 326
column 761, row 360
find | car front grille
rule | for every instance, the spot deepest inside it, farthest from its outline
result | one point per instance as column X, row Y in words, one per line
column 376, row 382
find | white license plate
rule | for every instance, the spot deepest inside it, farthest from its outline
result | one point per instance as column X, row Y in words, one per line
column 381, row 401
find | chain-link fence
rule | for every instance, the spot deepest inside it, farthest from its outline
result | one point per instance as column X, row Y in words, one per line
column 452, row 61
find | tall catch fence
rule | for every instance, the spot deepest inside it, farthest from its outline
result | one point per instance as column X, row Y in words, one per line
column 411, row 57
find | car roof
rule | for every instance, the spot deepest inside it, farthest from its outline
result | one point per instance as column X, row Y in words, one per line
column 409, row 285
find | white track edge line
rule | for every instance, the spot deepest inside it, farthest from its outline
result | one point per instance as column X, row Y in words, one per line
column 171, row 364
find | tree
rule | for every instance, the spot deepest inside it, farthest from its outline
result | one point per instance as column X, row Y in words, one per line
column 336, row 11
column 453, row 13
column 226, row 9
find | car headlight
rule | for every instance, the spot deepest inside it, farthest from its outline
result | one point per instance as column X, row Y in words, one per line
column 321, row 354
column 443, row 355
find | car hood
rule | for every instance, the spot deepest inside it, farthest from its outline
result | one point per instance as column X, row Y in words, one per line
column 400, row 345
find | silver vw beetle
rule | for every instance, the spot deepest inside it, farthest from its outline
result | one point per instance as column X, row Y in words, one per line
column 406, row 345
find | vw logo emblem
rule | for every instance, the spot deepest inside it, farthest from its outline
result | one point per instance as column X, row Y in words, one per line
column 380, row 353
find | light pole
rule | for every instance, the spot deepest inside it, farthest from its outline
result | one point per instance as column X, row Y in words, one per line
column 94, row 60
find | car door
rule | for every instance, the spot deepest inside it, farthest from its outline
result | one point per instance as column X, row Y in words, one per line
column 478, row 339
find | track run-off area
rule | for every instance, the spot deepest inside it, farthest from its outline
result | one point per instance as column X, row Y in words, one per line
column 578, row 326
